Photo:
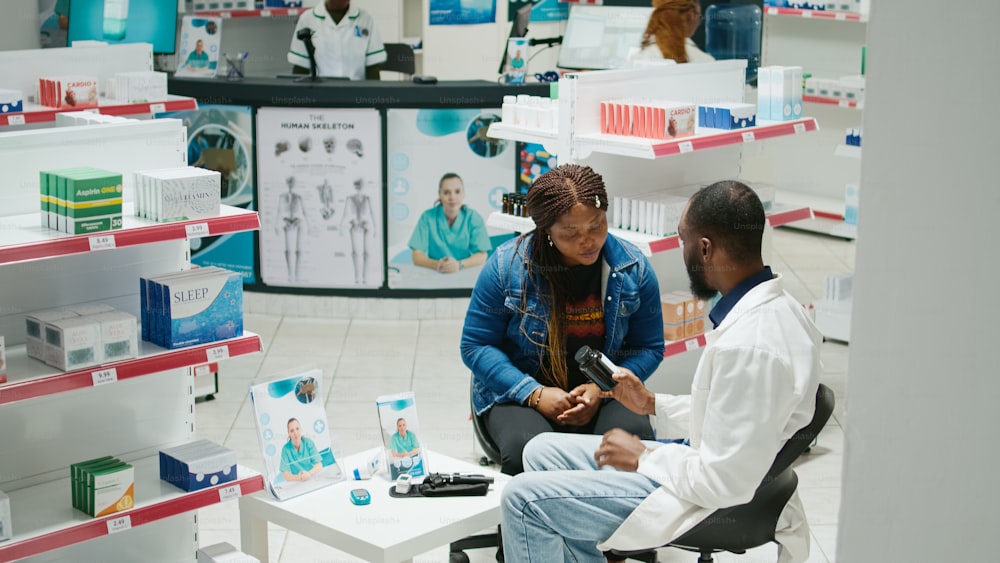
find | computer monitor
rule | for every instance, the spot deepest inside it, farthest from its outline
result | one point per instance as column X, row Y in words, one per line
column 518, row 28
column 125, row 21
column 600, row 37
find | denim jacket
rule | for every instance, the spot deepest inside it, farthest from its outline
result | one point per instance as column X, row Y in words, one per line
column 504, row 360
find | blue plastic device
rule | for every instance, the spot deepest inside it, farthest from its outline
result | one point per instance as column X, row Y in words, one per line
column 360, row 496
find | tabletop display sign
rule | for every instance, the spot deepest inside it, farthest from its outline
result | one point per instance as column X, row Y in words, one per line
column 199, row 46
column 320, row 194
column 397, row 416
column 293, row 434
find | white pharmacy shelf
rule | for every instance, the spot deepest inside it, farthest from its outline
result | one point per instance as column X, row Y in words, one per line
column 44, row 518
column 524, row 134
column 839, row 102
column 848, row 151
column 829, row 15
column 34, row 113
column 25, row 239
column 705, row 138
column 652, row 244
column 828, row 214
column 29, row 378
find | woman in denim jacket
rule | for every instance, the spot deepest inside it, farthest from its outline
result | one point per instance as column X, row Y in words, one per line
column 525, row 378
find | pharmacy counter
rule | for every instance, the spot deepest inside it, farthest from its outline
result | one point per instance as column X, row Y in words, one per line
column 350, row 93
column 341, row 171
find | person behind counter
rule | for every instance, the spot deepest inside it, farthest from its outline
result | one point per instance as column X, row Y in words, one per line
column 668, row 33
column 450, row 236
column 348, row 43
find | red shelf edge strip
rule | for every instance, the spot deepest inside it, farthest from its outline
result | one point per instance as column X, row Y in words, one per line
column 139, row 516
column 785, row 217
column 681, row 346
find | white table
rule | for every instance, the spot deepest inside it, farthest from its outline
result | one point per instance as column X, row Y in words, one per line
column 387, row 530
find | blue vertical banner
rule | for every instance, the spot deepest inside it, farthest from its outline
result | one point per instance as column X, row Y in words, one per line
column 541, row 11
column 220, row 138
column 462, row 12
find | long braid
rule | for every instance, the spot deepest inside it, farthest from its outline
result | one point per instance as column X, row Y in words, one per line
column 667, row 29
column 551, row 196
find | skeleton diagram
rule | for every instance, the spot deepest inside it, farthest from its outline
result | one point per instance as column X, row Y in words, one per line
column 292, row 219
column 359, row 208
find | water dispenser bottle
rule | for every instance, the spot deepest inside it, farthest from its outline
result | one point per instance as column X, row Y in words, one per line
column 732, row 31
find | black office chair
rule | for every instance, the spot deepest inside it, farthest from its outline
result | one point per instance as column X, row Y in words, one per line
column 491, row 455
column 739, row 528
column 400, row 58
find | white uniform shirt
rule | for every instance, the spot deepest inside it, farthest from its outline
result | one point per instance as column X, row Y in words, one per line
column 754, row 387
column 342, row 49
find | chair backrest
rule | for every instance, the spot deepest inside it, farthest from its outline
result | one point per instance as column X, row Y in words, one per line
column 400, row 58
column 801, row 440
column 482, row 436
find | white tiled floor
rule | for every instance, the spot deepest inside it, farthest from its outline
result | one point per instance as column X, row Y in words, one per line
column 361, row 359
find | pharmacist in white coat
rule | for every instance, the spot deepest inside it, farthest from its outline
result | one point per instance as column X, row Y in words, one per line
column 347, row 42
column 754, row 387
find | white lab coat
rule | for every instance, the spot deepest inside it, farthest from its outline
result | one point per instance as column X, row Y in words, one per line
column 754, row 387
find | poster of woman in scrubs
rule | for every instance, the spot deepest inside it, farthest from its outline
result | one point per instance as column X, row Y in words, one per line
column 445, row 177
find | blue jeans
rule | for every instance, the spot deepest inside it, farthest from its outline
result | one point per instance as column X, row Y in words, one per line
column 563, row 505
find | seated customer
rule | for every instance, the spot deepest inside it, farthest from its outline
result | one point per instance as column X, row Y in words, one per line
column 542, row 296
column 450, row 236
column 754, row 387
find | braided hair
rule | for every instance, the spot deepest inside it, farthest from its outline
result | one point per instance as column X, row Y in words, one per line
column 668, row 29
column 551, row 196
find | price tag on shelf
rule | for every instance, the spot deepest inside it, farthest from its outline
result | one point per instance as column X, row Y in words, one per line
column 691, row 344
column 844, row 103
column 15, row 119
column 840, row 16
column 196, row 230
column 293, row 11
column 229, row 493
column 799, row 127
column 748, row 137
column 105, row 376
column 102, row 242
column 119, row 524
column 157, row 108
column 217, row 353
column 807, row 13
column 92, row 110
column 265, row 13
column 771, row 11
column 225, row 15
column 685, row 146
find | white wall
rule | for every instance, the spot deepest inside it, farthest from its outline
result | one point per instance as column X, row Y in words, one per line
column 19, row 25
column 921, row 455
